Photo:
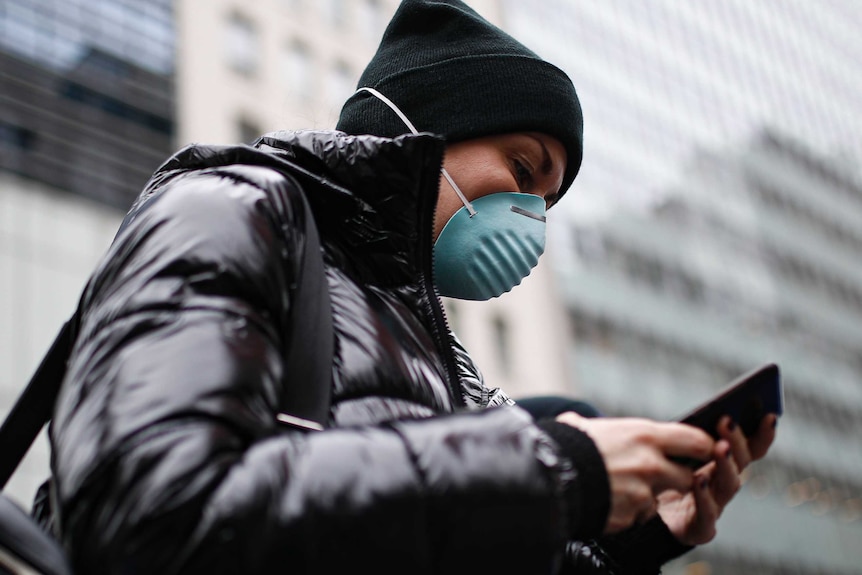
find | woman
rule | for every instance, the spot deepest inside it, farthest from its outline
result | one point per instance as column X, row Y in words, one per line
column 176, row 442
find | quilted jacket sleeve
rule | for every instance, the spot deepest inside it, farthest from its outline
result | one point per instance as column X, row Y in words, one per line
column 167, row 455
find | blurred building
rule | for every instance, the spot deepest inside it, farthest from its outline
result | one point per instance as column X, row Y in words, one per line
column 86, row 115
column 715, row 226
column 245, row 68
column 750, row 258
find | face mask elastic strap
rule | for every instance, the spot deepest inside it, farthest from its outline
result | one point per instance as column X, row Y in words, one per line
column 458, row 191
column 413, row 129
column 392, row 105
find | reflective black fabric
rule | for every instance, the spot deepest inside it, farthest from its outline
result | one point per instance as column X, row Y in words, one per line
column 24, row 545
column 168, row 456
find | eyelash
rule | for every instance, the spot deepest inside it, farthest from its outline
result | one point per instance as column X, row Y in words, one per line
column 523, row 175
column 524, row 178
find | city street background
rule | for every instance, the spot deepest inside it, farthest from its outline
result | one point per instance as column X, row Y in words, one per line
column 716, row 223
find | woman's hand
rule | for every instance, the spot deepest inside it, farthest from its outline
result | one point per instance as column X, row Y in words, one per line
column 636, row 452
column 691, row 514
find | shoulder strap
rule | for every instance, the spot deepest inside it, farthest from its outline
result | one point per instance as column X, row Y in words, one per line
column 33, row 407
column 310, row 337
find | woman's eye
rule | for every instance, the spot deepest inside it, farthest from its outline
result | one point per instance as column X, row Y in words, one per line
column 523, row 175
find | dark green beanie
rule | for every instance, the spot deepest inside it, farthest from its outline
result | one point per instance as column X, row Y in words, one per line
column 455, row 74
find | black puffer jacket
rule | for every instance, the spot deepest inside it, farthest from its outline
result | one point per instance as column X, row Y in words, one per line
column 167, row 455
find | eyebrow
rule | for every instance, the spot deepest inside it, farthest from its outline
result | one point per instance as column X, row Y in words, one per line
column 547, row 163
column 547, row 168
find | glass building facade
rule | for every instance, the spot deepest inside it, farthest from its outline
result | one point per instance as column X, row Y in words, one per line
column 58, row 34
column 87, row 93
column 715, row 226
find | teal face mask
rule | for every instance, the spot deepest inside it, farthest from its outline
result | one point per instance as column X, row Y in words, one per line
column 488, row 246
column 483, row 256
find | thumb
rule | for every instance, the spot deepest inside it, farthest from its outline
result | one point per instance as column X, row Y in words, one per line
column 573, row 419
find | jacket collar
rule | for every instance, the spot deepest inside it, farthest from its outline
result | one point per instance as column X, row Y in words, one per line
column 374, row 195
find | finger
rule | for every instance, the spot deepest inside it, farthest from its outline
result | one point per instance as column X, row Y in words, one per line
column 730, row 431
column 670, row 475
column 708, row 509
column 682, row 440
column 571, row 418
column 630, row 501
column 759, row 443
column 707, row 470
column 724, row 479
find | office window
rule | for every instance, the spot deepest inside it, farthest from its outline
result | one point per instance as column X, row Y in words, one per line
column 242, row 44
column 12, row 136
column 298, row 72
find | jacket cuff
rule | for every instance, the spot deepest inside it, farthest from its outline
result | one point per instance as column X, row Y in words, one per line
column 643, row 549
column 587, row 492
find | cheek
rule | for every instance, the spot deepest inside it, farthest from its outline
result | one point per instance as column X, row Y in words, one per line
column 493, row 183
column 495, row 176
column 485, row 176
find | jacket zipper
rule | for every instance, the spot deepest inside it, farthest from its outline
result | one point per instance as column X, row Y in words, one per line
column 440, row 324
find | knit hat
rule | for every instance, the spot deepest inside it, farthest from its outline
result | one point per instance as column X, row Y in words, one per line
column 455, row 74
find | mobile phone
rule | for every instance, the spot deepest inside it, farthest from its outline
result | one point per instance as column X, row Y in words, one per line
column 747, row 399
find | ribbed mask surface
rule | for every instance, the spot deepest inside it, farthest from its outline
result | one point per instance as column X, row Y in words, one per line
column 484, row 256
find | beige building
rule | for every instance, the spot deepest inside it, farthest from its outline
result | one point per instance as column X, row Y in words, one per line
column 49, row 242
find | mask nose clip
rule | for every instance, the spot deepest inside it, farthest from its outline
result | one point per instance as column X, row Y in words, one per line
column 528, row 213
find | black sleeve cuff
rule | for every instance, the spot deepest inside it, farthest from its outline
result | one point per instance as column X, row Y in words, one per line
column 643, row 549
column 587, row 493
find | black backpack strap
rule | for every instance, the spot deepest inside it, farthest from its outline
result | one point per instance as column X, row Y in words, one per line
column 33, row 408
column 310, row 337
